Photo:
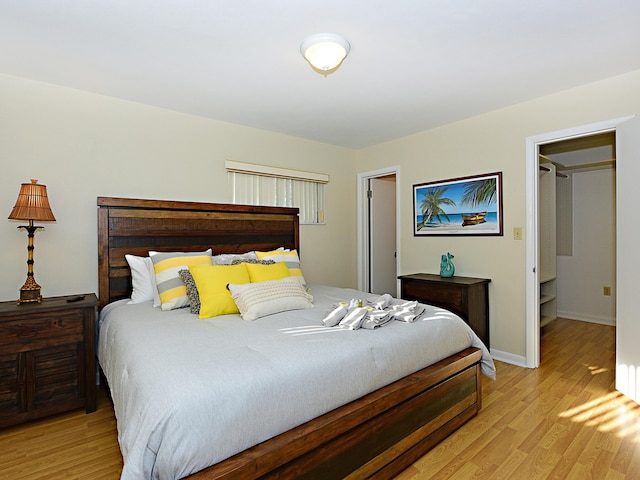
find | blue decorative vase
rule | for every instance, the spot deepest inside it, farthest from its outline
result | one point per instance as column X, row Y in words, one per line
column 447, row 268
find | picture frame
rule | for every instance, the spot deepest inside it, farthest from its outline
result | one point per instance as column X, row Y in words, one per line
column 459, row 206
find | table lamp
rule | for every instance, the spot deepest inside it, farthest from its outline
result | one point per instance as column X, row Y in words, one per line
column 32, row 205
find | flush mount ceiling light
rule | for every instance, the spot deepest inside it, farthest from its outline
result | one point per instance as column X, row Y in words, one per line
column 325, row 51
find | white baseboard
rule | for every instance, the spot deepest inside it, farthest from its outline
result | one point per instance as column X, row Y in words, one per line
column 585, row 317
column 510, row 358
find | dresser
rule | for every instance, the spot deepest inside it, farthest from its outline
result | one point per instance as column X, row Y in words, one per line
column 466, row 296
column 47, row 357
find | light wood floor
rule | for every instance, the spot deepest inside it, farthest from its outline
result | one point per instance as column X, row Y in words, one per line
column 563, row 421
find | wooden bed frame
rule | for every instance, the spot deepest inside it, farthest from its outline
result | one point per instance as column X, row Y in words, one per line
column 376, row 436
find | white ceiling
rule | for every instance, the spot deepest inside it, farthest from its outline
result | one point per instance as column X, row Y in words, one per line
column 414, row 64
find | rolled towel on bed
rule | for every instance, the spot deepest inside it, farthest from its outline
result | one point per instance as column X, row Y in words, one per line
column 354, row 318
column 381, row 302
column 334, row 316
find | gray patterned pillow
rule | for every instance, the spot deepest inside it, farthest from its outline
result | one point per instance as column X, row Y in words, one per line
column 252, row 260
column 229, row 258
column 192, row 291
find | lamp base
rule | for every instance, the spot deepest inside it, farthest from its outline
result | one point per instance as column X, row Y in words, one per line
column 30, row 292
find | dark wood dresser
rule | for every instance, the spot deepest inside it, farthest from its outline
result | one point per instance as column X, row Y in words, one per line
column 465, row 296
column 47, row 357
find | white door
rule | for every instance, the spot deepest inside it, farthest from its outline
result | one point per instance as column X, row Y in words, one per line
column 382, row 208
column 628, row 259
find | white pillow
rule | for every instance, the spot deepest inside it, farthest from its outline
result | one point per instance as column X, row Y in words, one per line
column 143, row 279
column 255, row 300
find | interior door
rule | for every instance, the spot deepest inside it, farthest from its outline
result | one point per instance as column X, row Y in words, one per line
column 628, row 259
column 382, row 210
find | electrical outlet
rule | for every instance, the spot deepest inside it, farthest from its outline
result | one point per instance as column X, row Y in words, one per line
column 517, row 233
column 606, row 291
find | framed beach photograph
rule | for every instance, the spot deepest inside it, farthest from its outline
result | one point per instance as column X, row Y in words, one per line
column 459, row 206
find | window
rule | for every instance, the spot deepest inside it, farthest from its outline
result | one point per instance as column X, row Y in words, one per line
column 263, row 185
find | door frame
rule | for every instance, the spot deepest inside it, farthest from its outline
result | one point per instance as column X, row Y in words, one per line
column 532, row 326
column 363, row 221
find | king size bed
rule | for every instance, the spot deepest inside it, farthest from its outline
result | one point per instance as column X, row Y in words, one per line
column 270, row 392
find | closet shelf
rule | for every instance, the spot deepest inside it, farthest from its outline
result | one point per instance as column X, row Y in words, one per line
column 546, row 298
column 545, row 320
column 545, row 277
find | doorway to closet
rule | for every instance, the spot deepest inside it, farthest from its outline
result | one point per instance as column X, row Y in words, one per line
column 577, row 229
column 627, row 135
column 627, row 150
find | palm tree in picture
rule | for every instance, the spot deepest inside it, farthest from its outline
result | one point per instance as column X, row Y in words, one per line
column 430, row 205
column 479, row 192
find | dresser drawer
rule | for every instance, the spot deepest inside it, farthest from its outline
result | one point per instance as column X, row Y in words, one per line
column 18, row 333
column 434, row 294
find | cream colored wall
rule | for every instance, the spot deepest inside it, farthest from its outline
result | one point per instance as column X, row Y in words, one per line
column 483, row 144
column 83, row 145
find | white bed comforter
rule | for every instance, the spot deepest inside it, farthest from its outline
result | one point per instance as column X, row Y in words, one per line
column 189, row 393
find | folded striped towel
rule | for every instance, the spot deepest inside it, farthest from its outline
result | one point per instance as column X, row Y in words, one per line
column 354, row 318
column 375, row 319
column 408, row 312
column 334, row 316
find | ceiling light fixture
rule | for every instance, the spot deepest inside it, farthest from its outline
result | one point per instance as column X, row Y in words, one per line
column 325, row 51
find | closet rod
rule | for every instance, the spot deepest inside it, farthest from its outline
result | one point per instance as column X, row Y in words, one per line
column 545, row 169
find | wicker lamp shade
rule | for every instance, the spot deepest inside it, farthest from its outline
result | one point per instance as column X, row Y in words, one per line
column 32, row 204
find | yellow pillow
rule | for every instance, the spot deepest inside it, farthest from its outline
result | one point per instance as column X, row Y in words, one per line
column 261, row 273
column 290, row 258
column 211, row 282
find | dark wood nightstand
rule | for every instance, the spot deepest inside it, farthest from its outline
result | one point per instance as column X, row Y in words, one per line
column 47, row 357
column 465, row 296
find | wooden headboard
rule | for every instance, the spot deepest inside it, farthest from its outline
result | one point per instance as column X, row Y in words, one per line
column 134, row 226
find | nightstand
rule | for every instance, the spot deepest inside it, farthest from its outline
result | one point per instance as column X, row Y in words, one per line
column 465, row 296
column 47, row 357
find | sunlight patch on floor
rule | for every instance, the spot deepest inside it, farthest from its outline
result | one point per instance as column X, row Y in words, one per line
column 596, row 370
column 612, row 413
